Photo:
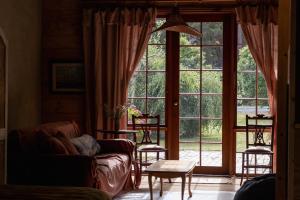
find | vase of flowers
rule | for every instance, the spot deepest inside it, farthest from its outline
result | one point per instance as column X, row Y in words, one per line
column 115, row 114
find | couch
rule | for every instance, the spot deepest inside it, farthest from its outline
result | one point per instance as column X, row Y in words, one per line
column 37, row 192
column 47, row 155
column 258, row 188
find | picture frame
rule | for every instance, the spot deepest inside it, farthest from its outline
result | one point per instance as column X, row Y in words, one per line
column 67, row 77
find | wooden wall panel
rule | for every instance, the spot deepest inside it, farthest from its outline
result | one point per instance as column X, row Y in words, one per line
column 62, row 42
column 2, row 161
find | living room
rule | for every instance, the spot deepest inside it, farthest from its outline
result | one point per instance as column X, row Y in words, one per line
column 44, row 34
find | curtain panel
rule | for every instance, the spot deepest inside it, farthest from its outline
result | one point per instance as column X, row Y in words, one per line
column 259, row 25
column 114, row 41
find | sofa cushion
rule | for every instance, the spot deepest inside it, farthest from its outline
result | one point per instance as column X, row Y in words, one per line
column 86, row 145
column 112, row 171
column 67, row 143
column 69, row 128
column 50, row 145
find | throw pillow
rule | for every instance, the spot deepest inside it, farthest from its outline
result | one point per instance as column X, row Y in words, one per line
column 86, row 145
column 67, row 143
column 48, row 144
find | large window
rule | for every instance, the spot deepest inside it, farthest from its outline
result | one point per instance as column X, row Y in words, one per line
column 147, row 87
column 252, row 97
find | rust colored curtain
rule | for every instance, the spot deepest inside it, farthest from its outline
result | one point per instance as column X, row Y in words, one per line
column 114, row 41
column 259, row 25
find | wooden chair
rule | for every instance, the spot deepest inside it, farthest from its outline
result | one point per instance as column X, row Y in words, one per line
column 259, row 128
column 150, row 143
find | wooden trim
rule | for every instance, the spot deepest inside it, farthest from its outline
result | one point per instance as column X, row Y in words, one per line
column 282, row 100
column 230, row 86
column 3, row 134
column 172, row 3
column 172, row 90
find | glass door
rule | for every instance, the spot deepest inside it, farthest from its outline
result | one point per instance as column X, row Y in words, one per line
column 201, row 94
column 188, row 81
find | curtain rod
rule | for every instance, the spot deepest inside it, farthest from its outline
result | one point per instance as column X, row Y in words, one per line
column 180, row 3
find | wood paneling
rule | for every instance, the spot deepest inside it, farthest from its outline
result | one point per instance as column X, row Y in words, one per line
column 62, row 41
column 2, row 83
column 2, row 161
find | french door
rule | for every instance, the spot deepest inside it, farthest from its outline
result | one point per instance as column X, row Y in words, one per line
column 199, row 91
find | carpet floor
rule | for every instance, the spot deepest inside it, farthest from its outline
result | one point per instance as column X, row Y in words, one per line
column 206, row 188
column 170, row 195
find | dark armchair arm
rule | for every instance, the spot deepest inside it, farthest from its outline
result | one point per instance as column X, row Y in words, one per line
column 64, row 170
column 117, row 146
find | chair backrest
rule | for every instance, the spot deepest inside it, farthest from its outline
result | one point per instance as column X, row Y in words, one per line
column 259, row 129
column 147, row 124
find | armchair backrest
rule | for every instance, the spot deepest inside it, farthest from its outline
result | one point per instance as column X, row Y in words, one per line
column 259, row 131
column 147, row 124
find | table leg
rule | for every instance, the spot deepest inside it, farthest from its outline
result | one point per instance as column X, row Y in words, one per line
column 150, row 185
column 190, row 181
column 182, row 186
column 161, row 187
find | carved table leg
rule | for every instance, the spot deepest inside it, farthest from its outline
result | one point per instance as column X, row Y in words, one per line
column 161, row 187
column 150, row 185
column 182, row 186
column 190, row 181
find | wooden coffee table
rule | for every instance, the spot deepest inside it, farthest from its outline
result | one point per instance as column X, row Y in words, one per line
column 171, row 169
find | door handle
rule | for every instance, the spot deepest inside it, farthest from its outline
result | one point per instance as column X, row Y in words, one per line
column 175, row 103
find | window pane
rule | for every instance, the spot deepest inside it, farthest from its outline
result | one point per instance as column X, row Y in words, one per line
column 212, row 57
column 156, row 107
column 187, row 39
column 156, row 57
column 211, row 130
column 212, row 33
column 189, row 129
column 142, row 64
column 245, row 107
column 245, row 60
column 240, row 147
column 156, row 84
column 262, row 88
column 211, row 155
column 189, row 82
column 189, row 106
column 137, row 106
column 211, row 106
column 263, row 107
column 137, row 85
column 158, row 37
column 246, row 85
column 189, row 57
column 212, row 82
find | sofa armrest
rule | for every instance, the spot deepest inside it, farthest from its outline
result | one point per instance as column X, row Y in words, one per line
column 117, row 146
column 64, row 170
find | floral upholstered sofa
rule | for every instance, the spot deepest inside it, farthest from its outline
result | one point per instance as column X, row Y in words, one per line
column 59, row 154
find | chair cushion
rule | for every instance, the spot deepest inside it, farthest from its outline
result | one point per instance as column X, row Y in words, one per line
column 258, row 149
column 150, row 147
column 86, row 145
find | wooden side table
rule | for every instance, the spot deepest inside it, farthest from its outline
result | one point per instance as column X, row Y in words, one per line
column 171, row 169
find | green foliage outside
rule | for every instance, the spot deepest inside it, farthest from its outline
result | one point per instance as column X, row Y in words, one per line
column 193, row 82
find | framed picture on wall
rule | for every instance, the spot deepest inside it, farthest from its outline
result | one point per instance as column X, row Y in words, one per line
column 67, row 77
